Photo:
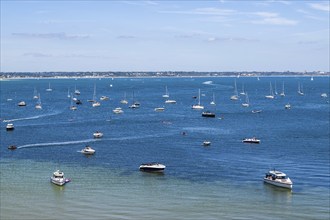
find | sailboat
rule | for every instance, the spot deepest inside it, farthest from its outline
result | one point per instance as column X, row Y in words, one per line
column 124, row 101
column 198, row 106
column 68, row 93
column 300, row 91
column 213, row 101
column 76, row 91
column 275, row 89
column 166, row 95
column 38, row 105
column 243, row 92
column 282, row 93
column 135, row 103
column 49, row 89
column 95, row 103
column 235, row 96
column 35, row 94
column 271, row 94
column 247, row 102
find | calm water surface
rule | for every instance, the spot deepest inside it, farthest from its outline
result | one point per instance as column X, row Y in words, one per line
column 223, row 181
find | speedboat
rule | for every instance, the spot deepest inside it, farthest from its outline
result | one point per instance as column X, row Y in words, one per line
column 152, row 167
column 12, row 147
column 9, row 127
column 98, row 134
column 208, row 114
column 88, row 150
column 22, row 103
column 253, row 140
column 278, row 178
column 58, row 178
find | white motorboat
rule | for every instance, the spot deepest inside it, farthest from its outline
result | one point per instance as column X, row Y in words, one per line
column 206, row 143
column 118, row 110
column 159, row 109
column 124, row 101
column 253, row 140
column 324, row 95
column 287, row 106
column 152, row 167
column 87, row 150
column 10, row 126
column 256, row 111
column 278, row 178
column 22, row 103
column 58, row 178
column 170, row 101
column 104, row 98
column 98, row 134
column 208, row 114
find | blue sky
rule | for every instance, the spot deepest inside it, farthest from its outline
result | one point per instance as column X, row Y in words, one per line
column 219, row 35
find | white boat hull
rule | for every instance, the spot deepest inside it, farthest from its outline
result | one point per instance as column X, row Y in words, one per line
column 278, row 183
column 59, row 182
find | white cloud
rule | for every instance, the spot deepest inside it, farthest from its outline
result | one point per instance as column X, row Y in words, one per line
column 60, row 35
column 321, row 6
column 204, row 11
column 272, row 19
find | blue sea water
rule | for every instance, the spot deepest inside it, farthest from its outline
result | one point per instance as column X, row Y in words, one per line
column 222, row 181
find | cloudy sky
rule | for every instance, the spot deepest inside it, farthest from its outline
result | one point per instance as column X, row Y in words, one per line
column 218, row 35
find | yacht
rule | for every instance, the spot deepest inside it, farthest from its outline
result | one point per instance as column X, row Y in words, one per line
column 253, row 140
column 152, row 167
column 98, row 134
column 278, row 178
column 58, row 178
column 10, row 126
column 87, row 150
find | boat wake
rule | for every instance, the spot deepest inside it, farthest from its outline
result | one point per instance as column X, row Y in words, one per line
column 56, row 143
column 31, row 118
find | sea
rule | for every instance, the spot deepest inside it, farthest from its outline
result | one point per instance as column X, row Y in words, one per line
column 220, row 181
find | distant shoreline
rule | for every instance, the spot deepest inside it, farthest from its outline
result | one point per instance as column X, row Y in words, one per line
column 93, row 75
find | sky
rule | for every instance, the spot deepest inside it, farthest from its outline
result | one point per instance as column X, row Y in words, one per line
column 217, row 35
